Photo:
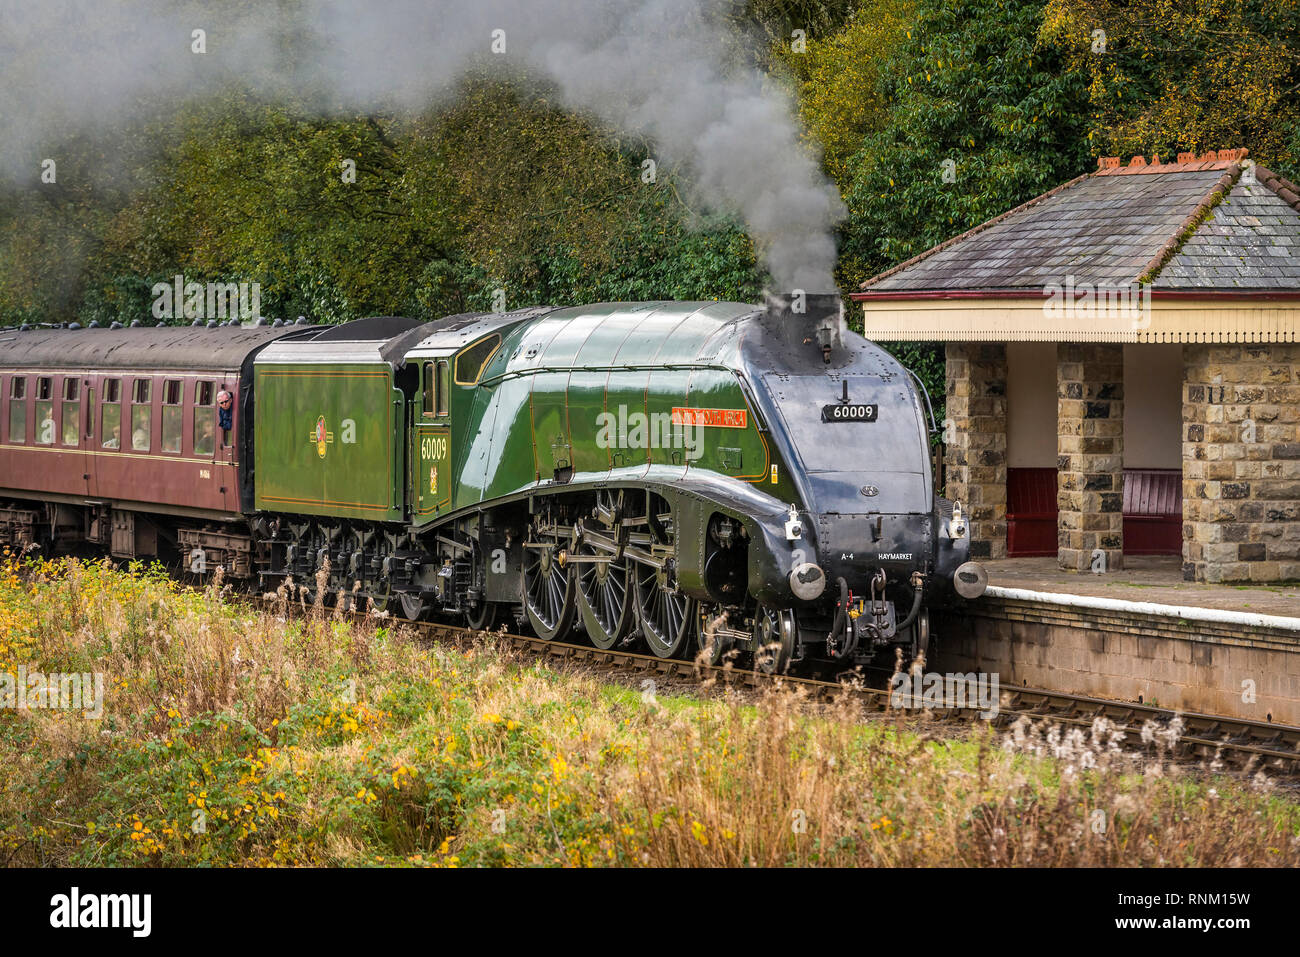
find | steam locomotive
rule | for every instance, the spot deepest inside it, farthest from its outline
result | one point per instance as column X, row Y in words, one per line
column 694, row 478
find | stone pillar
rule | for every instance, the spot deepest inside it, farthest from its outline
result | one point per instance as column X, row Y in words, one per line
column 1241, row 462
column 976, row 442
column 1090, row 455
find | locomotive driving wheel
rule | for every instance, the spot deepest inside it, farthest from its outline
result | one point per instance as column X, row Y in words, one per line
column 605, row 585
column 669, row 618
column 549, row 589
column 603, row 593
column 774, row 639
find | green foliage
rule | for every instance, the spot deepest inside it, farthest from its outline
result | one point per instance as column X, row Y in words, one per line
column 1186, row 74
column 926, row 361
column 968, row 83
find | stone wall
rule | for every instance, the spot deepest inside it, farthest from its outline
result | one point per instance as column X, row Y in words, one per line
column 976, row 441
column 1241, row 462
column 1090, row 455
column 1205, row 667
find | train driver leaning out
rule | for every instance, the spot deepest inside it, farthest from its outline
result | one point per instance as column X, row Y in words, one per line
column 225, row 414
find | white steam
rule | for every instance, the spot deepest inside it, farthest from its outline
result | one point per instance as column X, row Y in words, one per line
column 663, row 69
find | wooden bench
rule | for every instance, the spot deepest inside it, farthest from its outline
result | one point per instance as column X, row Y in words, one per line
column 1031, row 512
column 1153, row 512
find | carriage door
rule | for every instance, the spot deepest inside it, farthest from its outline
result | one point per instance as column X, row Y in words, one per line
column 432, row 438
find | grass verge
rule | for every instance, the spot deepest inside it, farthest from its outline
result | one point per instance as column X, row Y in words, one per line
column 237, row 737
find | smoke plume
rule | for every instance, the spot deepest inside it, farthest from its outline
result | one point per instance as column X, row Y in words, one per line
column 672, row 71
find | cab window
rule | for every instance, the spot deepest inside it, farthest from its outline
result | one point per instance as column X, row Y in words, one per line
column 141, row 415
column 429, row 388
column 71, row 409
column 18, row 409
column 471, row 363
column 110, row 415
column 46, row 427
column 444, row 386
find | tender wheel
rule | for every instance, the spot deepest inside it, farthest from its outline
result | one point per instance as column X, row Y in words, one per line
column 603, row 595
column 549, row 592
column 668, row 618
column 774, row 639
column 412, row 605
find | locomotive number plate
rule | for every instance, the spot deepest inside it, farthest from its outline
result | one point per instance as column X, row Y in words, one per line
column 851, row 412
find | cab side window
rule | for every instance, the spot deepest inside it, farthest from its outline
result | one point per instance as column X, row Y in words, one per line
column 141, row 415
column 172, row 415
column 46, row 427
column 110, row 415
column 444, row 386
column 71, row 409
column 429, row 388
column 205, row 426
column 18, row 408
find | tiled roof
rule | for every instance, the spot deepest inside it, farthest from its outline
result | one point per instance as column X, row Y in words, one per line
column 1197, row 223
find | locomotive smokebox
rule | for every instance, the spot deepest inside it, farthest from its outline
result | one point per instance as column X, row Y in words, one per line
column 809, row 318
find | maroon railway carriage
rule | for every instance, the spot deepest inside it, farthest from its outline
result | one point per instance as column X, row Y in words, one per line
column 111, row 438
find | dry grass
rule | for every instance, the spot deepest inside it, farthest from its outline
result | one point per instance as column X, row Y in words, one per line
column 314, row 740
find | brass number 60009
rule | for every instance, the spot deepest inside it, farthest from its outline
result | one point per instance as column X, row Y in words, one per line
column 433, row 446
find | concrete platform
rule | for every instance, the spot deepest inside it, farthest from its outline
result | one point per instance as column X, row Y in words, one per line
column 1140, row 634
column 1155, row 578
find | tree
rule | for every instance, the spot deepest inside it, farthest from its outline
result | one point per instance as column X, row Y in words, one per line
column 1171, row 75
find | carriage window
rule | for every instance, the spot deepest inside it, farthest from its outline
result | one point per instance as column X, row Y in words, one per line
column 141, row 415
column 204, row 419
column 428, row 388
column 444, row 386
column 71, row 409
column 46, row 427
column 172, row 415
column 110, row 415
column 471, row 363
column 18, row 409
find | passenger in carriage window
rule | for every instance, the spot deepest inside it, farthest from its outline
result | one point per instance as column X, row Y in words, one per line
column 225, row 414
column 204, row 433
column 114, row 441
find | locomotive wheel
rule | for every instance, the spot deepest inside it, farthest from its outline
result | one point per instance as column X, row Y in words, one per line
column 668, row 618
column 411, row 605
column 484, row 616
column 708, row 650
column 603, row 596
column 549, row 593
column 774, row 638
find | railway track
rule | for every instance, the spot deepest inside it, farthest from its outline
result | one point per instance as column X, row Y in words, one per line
column 1209, row 740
